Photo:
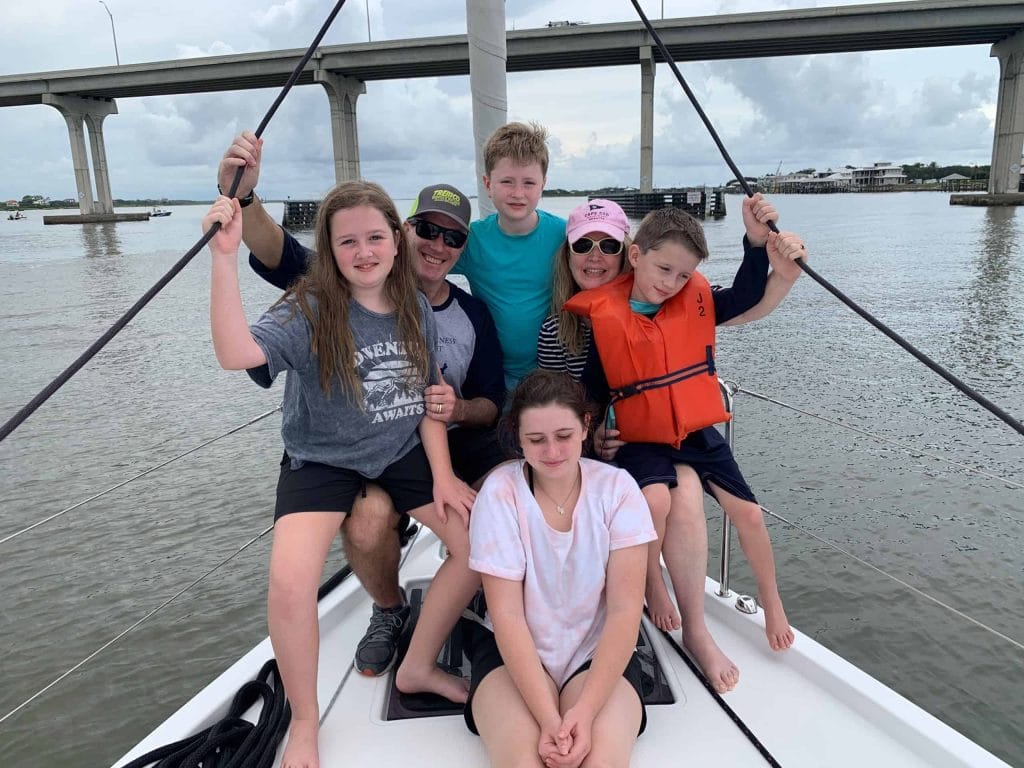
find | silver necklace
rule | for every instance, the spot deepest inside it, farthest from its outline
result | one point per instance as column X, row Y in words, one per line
column 560, row 508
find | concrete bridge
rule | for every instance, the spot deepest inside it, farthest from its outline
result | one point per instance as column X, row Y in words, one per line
column 86, row 96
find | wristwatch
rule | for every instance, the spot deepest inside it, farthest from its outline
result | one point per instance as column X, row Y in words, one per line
column 243, row 202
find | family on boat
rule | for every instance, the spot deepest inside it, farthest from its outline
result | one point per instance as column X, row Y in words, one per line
column 16, row 216
column 553, row 429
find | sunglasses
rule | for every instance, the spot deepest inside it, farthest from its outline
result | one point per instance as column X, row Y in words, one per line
column 428, row 230
column 609, row 246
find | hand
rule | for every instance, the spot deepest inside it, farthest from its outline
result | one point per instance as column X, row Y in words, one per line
column 245, row 151
column 606, row 444
column 576, row 727
column 549, row 745
column 451, row 492
column 440, row 400
column 783, row 249
column 228, row 214
column 757, row 212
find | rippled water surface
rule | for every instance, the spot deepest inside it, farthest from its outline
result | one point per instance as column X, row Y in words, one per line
column 949, row 279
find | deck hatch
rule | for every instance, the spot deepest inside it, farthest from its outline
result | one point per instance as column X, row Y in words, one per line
column 454, row 655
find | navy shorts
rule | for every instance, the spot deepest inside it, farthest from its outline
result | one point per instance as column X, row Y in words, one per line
column 486, row 658
column 317, row 487
column 475, row 451
column 706, row 452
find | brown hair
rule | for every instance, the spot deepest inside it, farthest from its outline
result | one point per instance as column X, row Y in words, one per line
column 563, row 286
column 541, row 388
column 332, row 341
column 522, row 144
column 671, row 225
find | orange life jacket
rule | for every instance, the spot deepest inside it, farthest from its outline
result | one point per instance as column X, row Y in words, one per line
column 661, row 370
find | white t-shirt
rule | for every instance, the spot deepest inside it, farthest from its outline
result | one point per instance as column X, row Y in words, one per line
column 563, row 573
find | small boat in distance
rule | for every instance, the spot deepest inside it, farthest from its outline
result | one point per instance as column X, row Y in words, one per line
column 17, row 216
column 159, row 212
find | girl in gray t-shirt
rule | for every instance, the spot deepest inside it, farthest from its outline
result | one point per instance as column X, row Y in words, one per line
column 355, row 338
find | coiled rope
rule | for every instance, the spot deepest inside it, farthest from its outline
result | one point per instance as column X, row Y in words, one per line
column 956, row 382
column 137, row 307
column 145, row 472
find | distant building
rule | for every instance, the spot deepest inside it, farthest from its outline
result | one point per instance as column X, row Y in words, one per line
column 879, row 175
column 954, row 177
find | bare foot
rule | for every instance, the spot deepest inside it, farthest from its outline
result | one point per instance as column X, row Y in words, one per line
column 717, row 667
column 660, row 606
column 302, row 750
column 433, row 680
column 776, row 626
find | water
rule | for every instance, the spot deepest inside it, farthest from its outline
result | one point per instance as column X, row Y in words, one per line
column 951, row 280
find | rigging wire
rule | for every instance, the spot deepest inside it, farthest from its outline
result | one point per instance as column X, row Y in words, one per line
column 910, row 451
column 878, row 324
column 137, row 624
column 862, row 561
column 145, row 472
column 919, row 592
column 15, row 421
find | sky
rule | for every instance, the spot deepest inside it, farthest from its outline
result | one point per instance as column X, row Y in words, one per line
column 822, row 111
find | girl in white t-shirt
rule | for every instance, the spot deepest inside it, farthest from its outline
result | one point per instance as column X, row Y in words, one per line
column 560, row 542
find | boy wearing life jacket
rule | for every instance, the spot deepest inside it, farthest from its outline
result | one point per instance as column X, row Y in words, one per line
column 654, row 332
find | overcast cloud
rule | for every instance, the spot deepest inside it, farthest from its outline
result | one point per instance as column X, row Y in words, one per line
column 809, row 111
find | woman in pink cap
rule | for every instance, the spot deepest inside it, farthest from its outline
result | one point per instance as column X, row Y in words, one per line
column 594, row 254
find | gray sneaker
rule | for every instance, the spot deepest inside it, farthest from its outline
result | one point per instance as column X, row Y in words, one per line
column 376, row 651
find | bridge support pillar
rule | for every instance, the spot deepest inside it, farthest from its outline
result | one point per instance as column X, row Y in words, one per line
column 488, row 52
column 1008, row 146
column 79, row 112
column 647, row 69
column 342, row 93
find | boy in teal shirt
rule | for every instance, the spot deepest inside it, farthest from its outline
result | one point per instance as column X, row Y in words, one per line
column 509, row 259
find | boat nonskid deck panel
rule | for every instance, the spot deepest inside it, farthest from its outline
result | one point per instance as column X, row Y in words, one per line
column 807, row 706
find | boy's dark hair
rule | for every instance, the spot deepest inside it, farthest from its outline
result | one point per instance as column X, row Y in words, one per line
column 522, row 144
column 671, row 225
column 541, row 388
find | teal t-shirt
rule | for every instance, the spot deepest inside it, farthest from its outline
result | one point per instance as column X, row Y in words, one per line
column 512, row 274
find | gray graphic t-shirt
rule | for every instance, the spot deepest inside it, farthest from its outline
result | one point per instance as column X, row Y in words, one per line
column 333, row 430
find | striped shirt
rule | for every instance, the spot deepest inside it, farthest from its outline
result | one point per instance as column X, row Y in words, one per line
column 553, row 356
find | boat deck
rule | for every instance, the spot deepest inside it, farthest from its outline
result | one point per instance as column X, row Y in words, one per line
column 807, row 706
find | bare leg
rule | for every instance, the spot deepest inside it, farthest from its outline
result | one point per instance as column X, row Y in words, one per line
column 757, row 546
column 615, row 726
column 506, row 725
column 371, row 546
column 686, row 556
column 659, row 604
column 453, row 587
column 301, row 541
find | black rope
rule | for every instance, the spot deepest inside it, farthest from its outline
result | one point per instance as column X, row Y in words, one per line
column 234, row 742
column 751, row 737
column 15, row 421
column 957, row 383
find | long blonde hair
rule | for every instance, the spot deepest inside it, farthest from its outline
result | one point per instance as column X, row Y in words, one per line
column 563, row 286
column 332, row 341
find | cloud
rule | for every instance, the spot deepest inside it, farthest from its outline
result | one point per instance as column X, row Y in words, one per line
column 806, row 111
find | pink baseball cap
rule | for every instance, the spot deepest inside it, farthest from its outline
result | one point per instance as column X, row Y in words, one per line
column 597, row 216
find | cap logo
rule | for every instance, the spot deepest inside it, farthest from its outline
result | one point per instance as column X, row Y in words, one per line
column 595, row 206
column 446, row 196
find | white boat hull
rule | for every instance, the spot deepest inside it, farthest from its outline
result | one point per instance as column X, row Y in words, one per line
column 807, row 706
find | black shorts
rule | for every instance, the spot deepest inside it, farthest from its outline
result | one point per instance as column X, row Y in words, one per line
column 475, row 451
column 486, row 658
column 321, row 488
column 706, row 452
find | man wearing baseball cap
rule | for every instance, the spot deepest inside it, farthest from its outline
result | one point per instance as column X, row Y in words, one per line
column 468, row 399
